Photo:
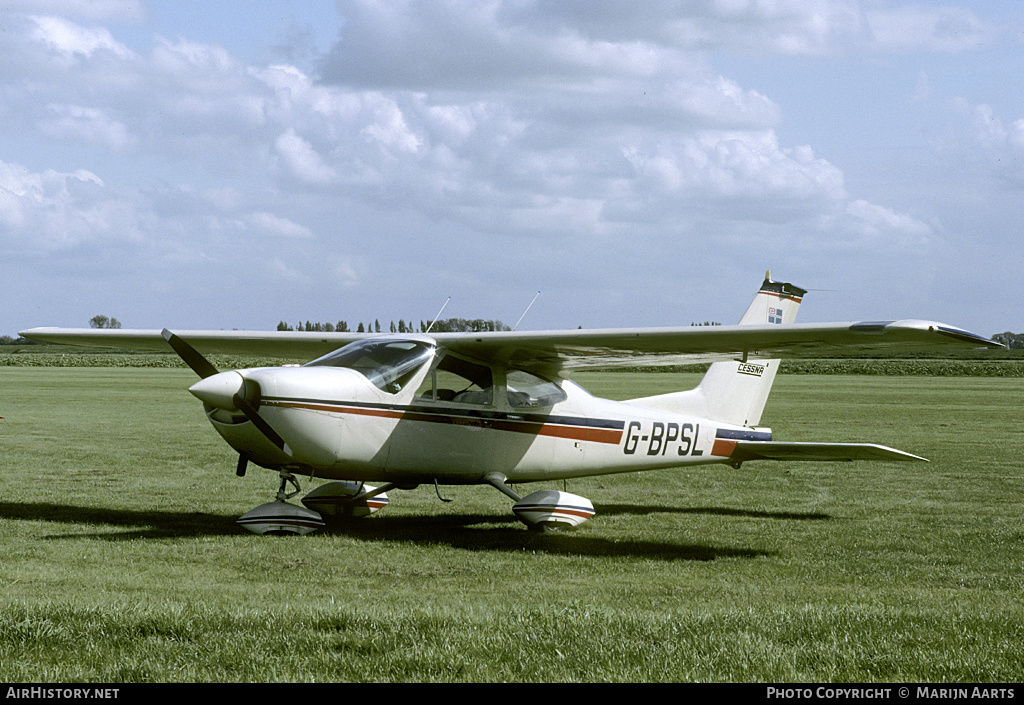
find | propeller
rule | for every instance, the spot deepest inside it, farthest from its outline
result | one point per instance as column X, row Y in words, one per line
column 192, row 357
column 246, row 399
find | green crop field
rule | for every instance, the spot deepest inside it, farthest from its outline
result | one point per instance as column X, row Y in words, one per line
column 122, row 562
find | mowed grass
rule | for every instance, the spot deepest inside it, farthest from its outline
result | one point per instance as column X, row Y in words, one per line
column 122, row 562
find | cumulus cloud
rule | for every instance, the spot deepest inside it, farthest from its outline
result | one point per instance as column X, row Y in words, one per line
column 70, row 39
column 274, row 225
column 390, row 130
column 48, row 211
column 598, row 116
column 1001, row 140
column 75, row 122
column 687, row 130
column 878, row 222
column 421, row 44
column 739, row 164
column 301, row 159
column 946, row 29
column 992, row 132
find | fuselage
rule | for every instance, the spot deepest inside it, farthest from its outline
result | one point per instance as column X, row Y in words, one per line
column 350, row 423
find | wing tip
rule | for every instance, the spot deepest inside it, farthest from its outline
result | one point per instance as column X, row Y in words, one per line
column 913, row 324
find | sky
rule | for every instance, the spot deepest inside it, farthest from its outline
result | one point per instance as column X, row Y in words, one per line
column 232, row 164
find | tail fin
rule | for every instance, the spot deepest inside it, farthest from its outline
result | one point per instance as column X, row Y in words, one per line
column 735, row 391
column 774, row 302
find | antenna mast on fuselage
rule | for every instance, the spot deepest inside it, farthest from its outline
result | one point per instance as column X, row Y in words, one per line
column 524, row 312
column 438, row 315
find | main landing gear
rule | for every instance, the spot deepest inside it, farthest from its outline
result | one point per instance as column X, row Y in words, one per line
column 543, row 510
column 332, row 501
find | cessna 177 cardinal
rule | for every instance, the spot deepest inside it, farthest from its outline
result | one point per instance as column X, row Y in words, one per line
column 499, row 409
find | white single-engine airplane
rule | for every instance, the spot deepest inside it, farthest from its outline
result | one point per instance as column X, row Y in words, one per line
column 498, row 408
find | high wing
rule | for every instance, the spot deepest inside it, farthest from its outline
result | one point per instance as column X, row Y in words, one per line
column 560, row 352
column 291, row 345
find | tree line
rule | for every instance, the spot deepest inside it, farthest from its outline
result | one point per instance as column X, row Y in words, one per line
column 444, row 325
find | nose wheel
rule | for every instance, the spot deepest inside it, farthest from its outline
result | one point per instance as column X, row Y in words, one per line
column 281, row 518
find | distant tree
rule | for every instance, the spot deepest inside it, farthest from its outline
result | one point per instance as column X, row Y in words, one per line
column 104, row 322
column 1014, row 341
column 443, row 325
column 463, row 325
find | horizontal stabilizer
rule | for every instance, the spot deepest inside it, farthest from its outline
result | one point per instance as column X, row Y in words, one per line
column 777, row 450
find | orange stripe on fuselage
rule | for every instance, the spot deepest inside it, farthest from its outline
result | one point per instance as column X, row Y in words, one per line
column 723, row 447
column 571, row 432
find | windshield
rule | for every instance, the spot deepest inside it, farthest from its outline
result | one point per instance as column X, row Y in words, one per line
column 388, row 364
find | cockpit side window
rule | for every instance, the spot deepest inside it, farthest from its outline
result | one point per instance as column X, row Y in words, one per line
column 459, row 381
column 527, row 391
column 388, row 364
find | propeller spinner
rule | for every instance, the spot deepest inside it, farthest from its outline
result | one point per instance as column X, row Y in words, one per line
column 225, row 390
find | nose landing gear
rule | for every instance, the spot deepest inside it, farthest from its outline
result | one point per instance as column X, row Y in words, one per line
column 281, row 518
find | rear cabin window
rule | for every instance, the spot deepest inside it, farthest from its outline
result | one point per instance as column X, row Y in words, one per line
column 527, row 391
column 458, row 381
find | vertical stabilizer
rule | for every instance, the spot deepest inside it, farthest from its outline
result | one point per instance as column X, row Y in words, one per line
column 735, row 391
column 775, row 302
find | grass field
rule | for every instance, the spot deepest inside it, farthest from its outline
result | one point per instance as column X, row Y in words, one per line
column 122, row 562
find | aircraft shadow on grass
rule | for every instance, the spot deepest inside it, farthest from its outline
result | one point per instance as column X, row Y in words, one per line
column 478, row 532
column 641, row 510
column 142, row 523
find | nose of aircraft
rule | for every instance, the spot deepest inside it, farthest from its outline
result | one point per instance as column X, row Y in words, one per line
column 219, row 390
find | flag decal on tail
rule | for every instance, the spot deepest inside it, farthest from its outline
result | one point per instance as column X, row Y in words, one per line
column 774, row 315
